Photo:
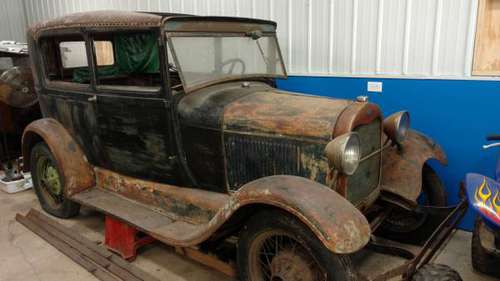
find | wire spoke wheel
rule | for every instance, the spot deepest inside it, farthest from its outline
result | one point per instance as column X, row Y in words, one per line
column 276, row 256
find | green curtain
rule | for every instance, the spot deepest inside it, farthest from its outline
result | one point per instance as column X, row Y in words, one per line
column 134, row 53
column 137, row 53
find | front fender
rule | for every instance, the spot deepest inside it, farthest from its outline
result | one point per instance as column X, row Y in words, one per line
column 334, row 220
column 402, row 168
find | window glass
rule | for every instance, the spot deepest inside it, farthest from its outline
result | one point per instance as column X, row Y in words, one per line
column 127, row 61
column 104, row 53
column 64, row 57
column 73, row 54
column 218, row 58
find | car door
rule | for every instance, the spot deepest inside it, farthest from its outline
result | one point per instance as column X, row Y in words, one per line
column 134, row 135
column 133, row 112
column 68, row 96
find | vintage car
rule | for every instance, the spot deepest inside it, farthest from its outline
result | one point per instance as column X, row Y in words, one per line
column 173, row 124
column 18, row 104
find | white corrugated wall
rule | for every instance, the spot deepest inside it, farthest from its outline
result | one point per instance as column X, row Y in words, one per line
column 402, row 38
column 12, row 20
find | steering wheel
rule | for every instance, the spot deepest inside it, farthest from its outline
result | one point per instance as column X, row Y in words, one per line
column 233, row 63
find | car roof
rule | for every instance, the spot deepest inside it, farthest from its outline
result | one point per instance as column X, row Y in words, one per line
column 121, row 19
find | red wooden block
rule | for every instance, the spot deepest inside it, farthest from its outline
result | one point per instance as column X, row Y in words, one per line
column 124, row 239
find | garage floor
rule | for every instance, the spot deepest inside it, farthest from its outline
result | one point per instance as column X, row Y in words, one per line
column 25, row 257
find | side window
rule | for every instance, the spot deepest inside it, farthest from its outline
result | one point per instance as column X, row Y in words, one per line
column 65, row 59
column 127, row 61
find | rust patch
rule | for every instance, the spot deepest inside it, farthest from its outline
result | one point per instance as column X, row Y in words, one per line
column 402, row 170
column 283, row 113
column 193, row 205
column 336, row 222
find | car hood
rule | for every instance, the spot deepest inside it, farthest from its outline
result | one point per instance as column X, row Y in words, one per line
column 257, row 108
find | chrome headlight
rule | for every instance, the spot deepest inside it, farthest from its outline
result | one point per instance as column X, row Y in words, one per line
column 396, row 126
column 343, row 153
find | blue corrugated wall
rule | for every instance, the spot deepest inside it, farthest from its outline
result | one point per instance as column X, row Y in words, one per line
column 457, row 114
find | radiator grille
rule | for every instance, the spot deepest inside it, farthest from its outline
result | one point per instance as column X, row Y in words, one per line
column 366, row 177
column 253, row 157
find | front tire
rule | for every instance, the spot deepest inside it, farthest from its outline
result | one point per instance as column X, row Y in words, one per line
column 49, row 184
column 436, row 272
column 409, row 227
column 482, row 260
column 275, row 246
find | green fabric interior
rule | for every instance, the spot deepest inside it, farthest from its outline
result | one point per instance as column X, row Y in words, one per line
column 134, row 53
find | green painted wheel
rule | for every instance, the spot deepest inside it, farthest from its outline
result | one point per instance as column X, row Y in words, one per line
column 48, row 180
column 49, row 184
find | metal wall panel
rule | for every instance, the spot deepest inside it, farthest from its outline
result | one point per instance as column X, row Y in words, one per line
column 402, row 38
column 12, row 20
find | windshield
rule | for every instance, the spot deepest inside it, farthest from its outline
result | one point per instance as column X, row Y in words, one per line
column 203, row 60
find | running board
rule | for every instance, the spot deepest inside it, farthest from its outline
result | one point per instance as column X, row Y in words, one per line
column 146, row 219
column 160, row 225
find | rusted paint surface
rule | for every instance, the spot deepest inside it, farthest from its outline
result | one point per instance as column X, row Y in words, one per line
column 193, row 205
column 336, row 222
column 402, row 169
column 217, row 24
column 108, row 19
column 76, row 171
column 357, row 114
column 354, row 116
column 284, row 114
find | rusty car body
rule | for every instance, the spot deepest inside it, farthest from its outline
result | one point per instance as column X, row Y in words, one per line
column 192, row 139
column 18, row 103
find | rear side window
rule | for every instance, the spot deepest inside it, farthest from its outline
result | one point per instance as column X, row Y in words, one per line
column 73, row 54
column 64, row 58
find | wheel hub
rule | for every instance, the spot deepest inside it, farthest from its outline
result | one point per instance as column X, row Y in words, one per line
column 52, row 180
column 289, row 265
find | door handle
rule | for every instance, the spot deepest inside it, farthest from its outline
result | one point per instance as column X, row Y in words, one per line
column 92, row 98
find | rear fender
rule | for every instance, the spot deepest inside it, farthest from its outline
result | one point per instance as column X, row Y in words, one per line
column 334, row 220
column 402, row 167
column 77, row 173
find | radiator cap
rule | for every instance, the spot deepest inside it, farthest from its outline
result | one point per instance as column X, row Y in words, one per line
column 362, row 98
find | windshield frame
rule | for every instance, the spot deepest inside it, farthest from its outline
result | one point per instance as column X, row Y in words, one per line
column 171, row 49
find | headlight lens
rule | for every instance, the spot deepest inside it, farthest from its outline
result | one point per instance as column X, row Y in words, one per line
column 396, row 126
column 343, row 153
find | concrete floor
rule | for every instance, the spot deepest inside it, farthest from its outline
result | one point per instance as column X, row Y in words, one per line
column 26, row 257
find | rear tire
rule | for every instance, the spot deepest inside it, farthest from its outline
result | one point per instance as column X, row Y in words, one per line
column 49, row 184
column 297, row 254
column 482, row 260
column 408, row 227
column 436, row 272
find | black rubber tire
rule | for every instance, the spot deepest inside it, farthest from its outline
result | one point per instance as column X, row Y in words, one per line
column 482, row 260
column 436, row 272
column 336, row 267
column 67, row 208
column 436, row 196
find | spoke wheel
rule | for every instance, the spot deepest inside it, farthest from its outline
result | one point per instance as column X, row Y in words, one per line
column 275, row 246
column 275, row 256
